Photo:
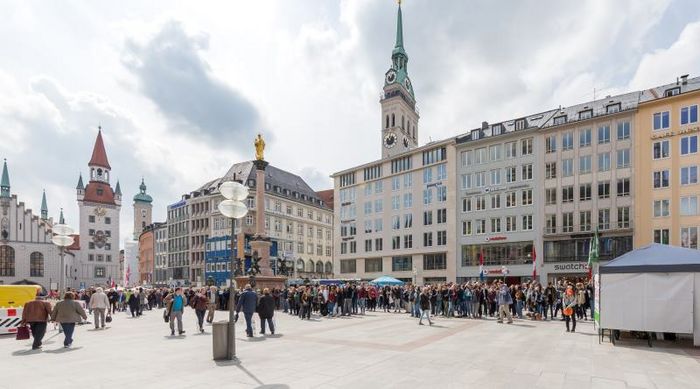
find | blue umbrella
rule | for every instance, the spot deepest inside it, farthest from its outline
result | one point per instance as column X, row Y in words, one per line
column 386, row 280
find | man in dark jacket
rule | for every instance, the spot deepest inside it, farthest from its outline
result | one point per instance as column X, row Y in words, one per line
column 248, row 302
column 424, row 300
column 266, row 309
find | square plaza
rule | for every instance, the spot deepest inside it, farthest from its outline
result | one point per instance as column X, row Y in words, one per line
column 378, row 350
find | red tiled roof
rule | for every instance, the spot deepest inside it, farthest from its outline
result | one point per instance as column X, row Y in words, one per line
column 93, row 190
column 99, row 155
column 327, row 197
column 76, row 243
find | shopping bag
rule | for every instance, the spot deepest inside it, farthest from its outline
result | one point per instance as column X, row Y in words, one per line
column 23, row 332
column 568, row 311
column 108, row 319
column 166, row 316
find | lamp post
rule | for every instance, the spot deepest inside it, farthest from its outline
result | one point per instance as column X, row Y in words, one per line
column 232, row 208
column 62, row 239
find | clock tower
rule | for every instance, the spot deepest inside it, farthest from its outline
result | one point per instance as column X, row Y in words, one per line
column 99, row 206
column 399, row 112
column 143, row 209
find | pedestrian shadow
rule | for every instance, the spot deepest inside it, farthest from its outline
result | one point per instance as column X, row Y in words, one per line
column 173, row 337
column 21, row 353
column 63, row 350
column 273, row 386
column 254, row 339
column 237, row 363
column 274, row 336
column 523, row 325
column 202, row 334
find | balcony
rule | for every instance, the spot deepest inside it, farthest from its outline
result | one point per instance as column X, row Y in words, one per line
column 622, row 226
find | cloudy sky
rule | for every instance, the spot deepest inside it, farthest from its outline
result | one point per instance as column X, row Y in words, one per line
column 180, row 88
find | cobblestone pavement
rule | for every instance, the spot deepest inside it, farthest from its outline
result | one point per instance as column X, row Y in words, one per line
column 379, row 350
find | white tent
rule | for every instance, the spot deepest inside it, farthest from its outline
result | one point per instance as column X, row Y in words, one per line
column 655, row 288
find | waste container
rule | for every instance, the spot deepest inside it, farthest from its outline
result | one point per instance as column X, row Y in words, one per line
column 220, row 339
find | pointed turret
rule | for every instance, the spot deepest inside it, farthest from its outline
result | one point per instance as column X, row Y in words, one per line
column 99, row 155
column 80, row 185
column 44, row 208
column 398, row 47
column 5, row 182
column 118, row 190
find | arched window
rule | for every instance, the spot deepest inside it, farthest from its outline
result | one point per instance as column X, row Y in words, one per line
column 36, row 264
column 393, row 120
column 7, row 261
column 300, row 264
column 319, row 267
column 310, row 266
column 387, row 121
column 329, row 267
column 403, row 123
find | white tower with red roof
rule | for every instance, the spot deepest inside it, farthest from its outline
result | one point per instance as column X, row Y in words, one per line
column 99, row 206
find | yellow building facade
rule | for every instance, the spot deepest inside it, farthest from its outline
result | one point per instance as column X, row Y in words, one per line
column 666, row 164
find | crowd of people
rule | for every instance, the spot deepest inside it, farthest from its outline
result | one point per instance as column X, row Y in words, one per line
column 469, row 300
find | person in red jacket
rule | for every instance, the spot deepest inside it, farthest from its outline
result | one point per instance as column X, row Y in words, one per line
column 36, row 313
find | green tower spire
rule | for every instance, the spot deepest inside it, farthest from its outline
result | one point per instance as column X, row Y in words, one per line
column 399, row 32
column 44, row 207
column 5, row 182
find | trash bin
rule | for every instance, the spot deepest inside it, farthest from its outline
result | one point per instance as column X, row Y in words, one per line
column 220, row 339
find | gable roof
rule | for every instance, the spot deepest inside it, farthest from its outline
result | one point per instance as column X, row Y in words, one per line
column 655, row 258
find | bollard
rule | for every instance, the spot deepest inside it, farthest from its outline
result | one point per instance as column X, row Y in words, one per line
column 220, row 339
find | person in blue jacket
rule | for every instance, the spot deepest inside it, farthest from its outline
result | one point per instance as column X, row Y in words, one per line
column 248, row 302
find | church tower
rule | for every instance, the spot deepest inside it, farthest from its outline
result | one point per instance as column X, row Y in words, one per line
column 399, row 112
column 99, row 207
column 143, row 209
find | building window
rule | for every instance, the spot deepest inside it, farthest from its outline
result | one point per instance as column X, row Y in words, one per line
column 689, row 115
column 373, row 265
column 603, row 134
column 604, row 219
column 511, row 224
column 551, row 223
column 436, row 261
column 395, row 242
column 567, row 194
column 689, row 175
column 584, row 164
column 623, row 130
column 567, row 222
column 550, row 196
column 559, row 120
column 36, row 264
column 662, row 121
column 368, row 245
column 689, row 237
column 510, row 199
column 467, row 204
column 91, row 257
column 662, row 208
column 441, row 193
column 526, row 146
column 496, row 177
column 408, row 241
column 401, row 263
column 586, row 114
column 662, row 236
column 495, row 201
column 480, row 156
column 623, row 158
column 567, row 167
column 427, row 239
column 689, row 145
column 603, row 162
column 466, row 181
column 378, row 245
column 585, row 138
column 427, row 196
column 466, row 157
column 612, row 108
column 661, row 149
column 91, row 218
column 623, row 217
column 604, row 190
column 661, row 179
column 99, row 272
column 584, row 221
column 427, row 218
column 526, row 172
column 526, row 198
column 510, row 174
column 623, row 187
column 442, row 216
column 480, row 203
column 466, row 227
column 480, row 226
column 550, row 144
column 550, row 170
column 567, row 141
column 108, row 220
column 689, row 206
column 527, row 222
column 495, row 225
column 511, row 149
column 480, row 179
column 495, row 153
column 347, row 266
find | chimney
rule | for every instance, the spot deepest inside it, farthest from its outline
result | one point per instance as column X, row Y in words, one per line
column 684, row 79
column 484, row 125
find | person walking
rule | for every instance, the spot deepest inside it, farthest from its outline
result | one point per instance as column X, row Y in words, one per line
column 424, row 301
column 36, row 313
column 266, row 309
column 248, row 302
column 99, row 302
column 199, row 303
column 175, row 308
column 133, row 302
column 67, row 313
column 211, row 297
column 569, row 302
column 504, row 301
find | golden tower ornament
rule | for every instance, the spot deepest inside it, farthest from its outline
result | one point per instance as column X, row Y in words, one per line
column 259, row 148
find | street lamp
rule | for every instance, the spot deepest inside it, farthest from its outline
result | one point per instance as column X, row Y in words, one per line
column 232, row 208
column 62, row 238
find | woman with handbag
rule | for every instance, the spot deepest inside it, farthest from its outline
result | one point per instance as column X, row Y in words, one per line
column 35, row 313
column 67, row 313
column 569, row 303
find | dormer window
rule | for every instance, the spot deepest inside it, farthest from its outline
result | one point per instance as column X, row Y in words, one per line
column 100, row 191
column 520, row 124
column 612, row 108
column 497, row 129
column 586, row 114
column 672, row 91
column 560, row 120
column 476, row 134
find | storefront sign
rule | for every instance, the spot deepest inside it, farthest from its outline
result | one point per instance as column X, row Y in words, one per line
column 570, row 267
column 493, row 189
column 496, row 238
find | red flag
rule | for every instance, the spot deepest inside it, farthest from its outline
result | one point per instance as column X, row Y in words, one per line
column 534, row 263
column 481, row 265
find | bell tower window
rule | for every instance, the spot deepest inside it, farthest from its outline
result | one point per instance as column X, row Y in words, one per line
column 387, row 122
column 403, row 122
column 393, row 120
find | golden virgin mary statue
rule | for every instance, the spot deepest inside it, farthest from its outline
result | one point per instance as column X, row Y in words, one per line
column 259, row 148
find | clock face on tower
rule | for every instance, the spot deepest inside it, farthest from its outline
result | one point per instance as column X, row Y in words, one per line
column 390, row 140
column 99, row 239
column 100, row 212
column 390, row 76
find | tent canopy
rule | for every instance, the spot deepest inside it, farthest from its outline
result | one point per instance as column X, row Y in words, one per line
column 386, row 280
column 655, row 258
